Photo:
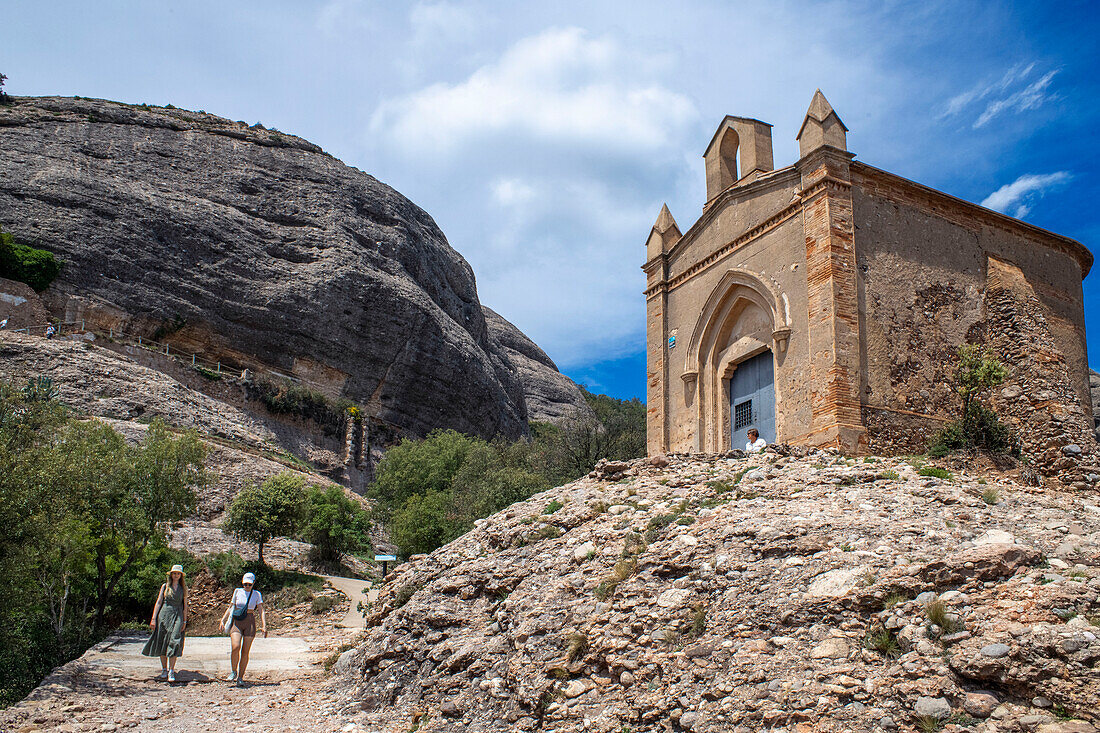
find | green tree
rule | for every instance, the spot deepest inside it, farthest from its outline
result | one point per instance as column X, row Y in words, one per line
column 416, row 467
column 80, row 509
column 337, row 524
column 275, row 508
column 425, row 522
column 127, row 496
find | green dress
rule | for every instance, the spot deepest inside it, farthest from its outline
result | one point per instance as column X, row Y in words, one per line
column 167, row 637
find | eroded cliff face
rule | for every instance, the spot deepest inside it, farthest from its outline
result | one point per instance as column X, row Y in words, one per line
column 257, row 249
column 550, row 395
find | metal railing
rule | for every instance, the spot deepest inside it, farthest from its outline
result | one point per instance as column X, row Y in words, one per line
column 69, row 328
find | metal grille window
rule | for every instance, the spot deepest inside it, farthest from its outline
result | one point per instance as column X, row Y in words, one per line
column 742, row 415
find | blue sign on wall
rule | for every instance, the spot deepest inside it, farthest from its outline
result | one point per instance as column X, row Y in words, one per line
column 672, row 341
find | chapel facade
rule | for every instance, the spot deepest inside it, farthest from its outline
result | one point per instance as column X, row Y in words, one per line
column 822, row 303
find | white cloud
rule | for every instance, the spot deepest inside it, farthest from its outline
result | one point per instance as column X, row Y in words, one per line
column 559, row 85
column 1032, row 96
column 511, row 192
column 432, row 21
column 338, row 16
column 1019, row 196
column 1011, row 93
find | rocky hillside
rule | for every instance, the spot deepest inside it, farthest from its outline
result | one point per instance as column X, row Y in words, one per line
column 243, row 446
column 256, row 248
column 777, row 592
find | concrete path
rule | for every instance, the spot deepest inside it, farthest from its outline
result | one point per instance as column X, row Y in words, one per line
column 208, row 655
column 356, row 591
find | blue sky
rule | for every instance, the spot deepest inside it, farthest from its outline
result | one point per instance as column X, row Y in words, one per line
column 544, row 137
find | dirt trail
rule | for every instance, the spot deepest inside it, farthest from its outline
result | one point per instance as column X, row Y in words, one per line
column 356, row 591
column 112, row 687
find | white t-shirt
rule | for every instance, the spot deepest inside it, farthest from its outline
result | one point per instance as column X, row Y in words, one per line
column 241, row 595
column 755, row 446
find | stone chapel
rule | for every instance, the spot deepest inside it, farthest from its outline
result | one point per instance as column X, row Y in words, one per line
column 823, row 303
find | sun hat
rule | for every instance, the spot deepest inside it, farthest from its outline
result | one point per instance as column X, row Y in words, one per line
column 248, row 578
column 177, row 569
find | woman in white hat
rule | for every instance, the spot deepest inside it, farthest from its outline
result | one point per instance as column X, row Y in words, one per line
column 169, row 623
column 240, row 622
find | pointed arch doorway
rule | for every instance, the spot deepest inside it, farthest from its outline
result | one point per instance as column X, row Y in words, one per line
column 752, row 399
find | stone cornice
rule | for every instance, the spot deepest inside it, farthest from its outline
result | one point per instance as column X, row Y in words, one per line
column 980, row 214
column 768, row 225
column 773, row 179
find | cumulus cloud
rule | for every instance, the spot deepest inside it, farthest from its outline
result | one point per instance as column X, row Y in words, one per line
column 1010, row 93
column 559, row 85
column 1018, row 197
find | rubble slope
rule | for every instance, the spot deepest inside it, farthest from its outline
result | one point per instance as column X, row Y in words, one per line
column 778, row 592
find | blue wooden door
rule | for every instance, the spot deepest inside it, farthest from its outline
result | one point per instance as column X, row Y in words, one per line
column 752, row 399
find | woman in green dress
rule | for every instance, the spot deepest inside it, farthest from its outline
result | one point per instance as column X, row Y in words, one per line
column 169, row 623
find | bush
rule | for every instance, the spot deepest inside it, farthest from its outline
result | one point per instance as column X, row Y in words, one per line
column 321, row 604
column 336, row 524
column 977, row 426
column 287, row 398
column 226, row 567
column 35, row 267
column 431, row 491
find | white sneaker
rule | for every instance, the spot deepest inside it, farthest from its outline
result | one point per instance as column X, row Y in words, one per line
column 163, row 675
column 171, row 676
column 232, row 677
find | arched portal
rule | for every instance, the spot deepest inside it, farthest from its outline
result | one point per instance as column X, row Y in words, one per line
column 744, row 323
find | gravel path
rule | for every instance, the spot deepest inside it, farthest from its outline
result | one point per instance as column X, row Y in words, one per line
column 356, row 591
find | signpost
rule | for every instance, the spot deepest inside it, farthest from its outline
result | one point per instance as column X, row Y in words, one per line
column 385, row 560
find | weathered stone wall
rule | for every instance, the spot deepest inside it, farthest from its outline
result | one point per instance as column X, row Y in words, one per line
column 929, row 281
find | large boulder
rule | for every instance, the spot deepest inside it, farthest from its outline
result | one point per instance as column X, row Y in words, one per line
column 258, row 249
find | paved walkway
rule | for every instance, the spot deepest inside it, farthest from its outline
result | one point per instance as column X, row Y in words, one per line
column 205, row 655
column 356, row 591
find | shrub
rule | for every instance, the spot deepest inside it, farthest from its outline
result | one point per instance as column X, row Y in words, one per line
column 321, row 604
column 991, row 496
column 577, row 646
column 937, row 613
column 935, row 472
column 35, row 267
column 884, row 642
column 226, row 567
column 552, row 507
column 977, row 426
column 284, row 397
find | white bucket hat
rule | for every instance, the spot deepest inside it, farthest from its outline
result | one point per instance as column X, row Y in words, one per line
column 248, row 578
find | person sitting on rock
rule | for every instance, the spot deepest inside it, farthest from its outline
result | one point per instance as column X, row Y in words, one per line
column 756, row 443
column 50, row 331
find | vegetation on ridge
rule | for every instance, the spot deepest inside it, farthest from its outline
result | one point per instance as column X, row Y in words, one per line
column 35, row 267
column 430, row 491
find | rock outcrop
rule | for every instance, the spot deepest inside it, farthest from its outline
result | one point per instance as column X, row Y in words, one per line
column 256, row 249
column 550, row 395
column 774, row 592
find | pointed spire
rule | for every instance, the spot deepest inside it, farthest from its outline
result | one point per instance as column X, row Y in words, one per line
column 821, row 126
column 665, row 221
column 664, row 234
